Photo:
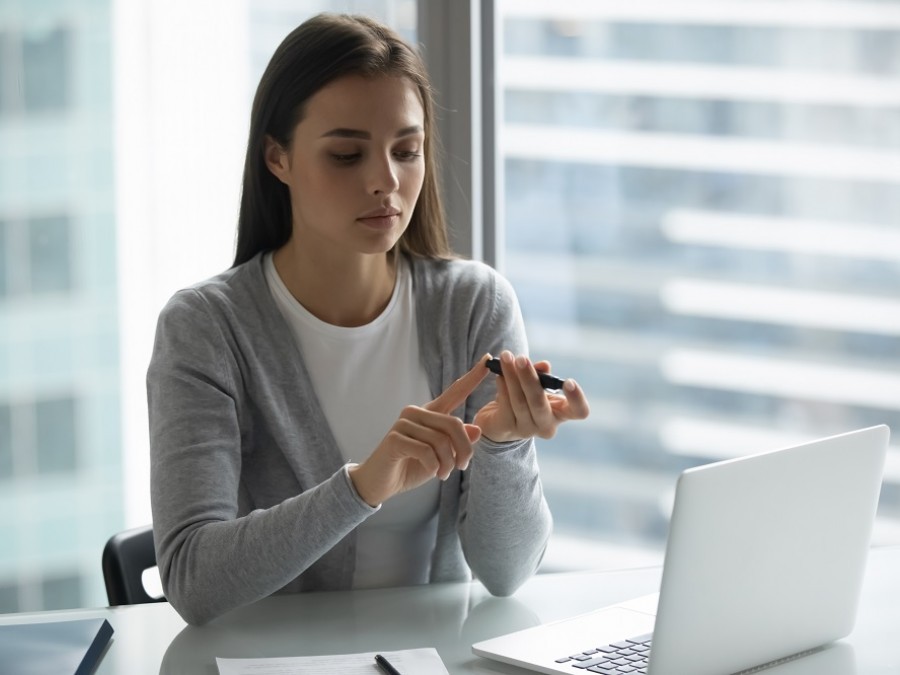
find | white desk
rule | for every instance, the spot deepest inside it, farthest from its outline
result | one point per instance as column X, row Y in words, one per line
column 449, row 617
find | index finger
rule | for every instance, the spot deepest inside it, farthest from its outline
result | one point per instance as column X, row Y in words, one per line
column 456, row 394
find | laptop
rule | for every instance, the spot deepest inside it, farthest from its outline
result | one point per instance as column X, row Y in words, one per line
column 764, row 562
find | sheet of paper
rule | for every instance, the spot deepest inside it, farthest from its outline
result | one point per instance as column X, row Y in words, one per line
column 424, row 661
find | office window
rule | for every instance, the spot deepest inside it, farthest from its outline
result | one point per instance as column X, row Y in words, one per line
column 56, row 437
column 46, row 61
column 62, row 592
column 39, row 437
column 8, row 68
column 701, row 223
column 6, row 443
column 50, row 254
column 35, row 68
column 4, row 267
column 51, row 592
column 36, row 255
column 9, row 598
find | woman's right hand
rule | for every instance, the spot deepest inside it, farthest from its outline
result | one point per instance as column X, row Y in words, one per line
column 425, row 442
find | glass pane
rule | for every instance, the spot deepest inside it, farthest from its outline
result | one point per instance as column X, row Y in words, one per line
column 7, row 73
column 56, row 440
column 9, row 598
column 50, row 254
column 46, row 63
column 6, row 448
column 62, row 592
column 701, row 224
column 4, row 253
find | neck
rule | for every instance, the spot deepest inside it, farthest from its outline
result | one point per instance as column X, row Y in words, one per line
column 346, row 290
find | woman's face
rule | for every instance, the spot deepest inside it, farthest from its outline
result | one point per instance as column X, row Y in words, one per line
column 356, row 164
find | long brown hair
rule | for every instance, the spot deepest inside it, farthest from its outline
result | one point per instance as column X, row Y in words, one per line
column 320, row 50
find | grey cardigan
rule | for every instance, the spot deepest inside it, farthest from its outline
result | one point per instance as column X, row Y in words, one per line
column 248, row 490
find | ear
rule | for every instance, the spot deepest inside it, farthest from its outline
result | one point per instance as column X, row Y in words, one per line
column 276, row 158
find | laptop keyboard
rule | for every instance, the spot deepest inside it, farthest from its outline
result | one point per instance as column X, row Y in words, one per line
column 628, row 656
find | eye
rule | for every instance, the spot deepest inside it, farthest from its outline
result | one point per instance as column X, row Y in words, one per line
column 345, row 158
column 407, row 155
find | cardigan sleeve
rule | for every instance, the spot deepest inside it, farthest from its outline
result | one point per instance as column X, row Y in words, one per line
column 210, row 559
column 504, row 520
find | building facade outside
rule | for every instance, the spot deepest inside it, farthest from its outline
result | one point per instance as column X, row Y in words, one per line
column 703, row 226
column 60, row 450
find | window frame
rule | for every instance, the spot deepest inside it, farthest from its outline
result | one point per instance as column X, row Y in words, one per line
column 460, row 46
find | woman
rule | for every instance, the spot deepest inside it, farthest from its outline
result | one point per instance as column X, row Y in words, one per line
column 303, row 402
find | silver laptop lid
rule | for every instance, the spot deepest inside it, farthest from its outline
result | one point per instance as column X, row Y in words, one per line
column 766, row 553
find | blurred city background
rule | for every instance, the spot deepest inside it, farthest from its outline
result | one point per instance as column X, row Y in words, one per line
column 702, row 222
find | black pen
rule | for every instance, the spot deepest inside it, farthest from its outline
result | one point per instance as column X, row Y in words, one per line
column 548, row 381
column 385, row 665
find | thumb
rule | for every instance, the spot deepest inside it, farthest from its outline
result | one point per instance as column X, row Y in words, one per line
column 473, row 432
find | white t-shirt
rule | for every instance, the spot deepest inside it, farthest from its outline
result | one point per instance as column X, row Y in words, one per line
column 363, row 377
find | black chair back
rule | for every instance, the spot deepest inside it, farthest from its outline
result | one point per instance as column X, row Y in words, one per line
column 125, row 557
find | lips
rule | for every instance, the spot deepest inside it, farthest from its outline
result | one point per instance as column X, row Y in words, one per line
column 382, row 218
column 383, row 212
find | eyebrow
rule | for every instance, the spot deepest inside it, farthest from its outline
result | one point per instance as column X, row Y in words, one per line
column 366, row 136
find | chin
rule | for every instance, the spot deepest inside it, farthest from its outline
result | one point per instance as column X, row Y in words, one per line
column 385, row 244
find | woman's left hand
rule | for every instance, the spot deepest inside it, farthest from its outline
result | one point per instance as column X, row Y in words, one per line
column 523, row 408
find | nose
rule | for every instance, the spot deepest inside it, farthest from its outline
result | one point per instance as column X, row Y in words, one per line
column 383, row 177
